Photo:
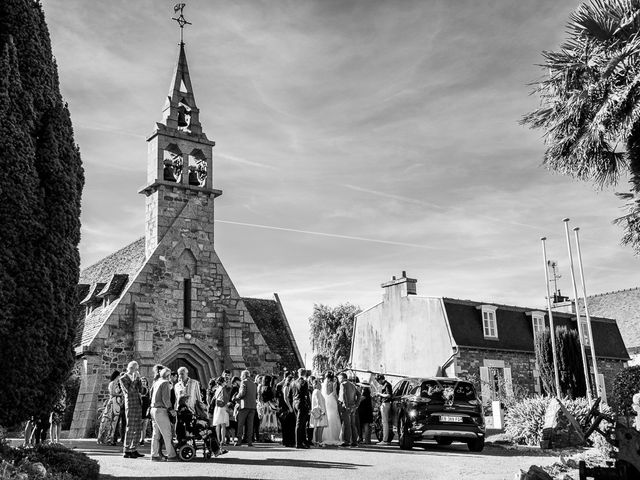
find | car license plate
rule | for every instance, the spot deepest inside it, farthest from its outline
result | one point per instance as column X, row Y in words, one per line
column 447, row 418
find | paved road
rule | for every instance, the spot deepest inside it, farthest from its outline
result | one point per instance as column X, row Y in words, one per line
column 272, row 461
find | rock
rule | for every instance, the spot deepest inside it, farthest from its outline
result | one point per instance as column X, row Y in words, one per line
column 39, row 469
column 561, row 429
column 534, row 473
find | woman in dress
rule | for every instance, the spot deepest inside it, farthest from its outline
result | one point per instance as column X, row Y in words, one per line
column 110, row 411
column 268, row 408
column 55, row 419
column 220, row 412
column 131, row 387
column 331, row 433
column 318, row 420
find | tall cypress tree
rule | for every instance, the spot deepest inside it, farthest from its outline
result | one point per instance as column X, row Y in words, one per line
column 40, row 192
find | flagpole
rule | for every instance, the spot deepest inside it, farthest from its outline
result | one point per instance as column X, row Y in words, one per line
column 551, row 327
column 586, row 312
column 585, row 363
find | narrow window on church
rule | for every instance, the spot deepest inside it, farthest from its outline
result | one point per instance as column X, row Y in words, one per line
column 187, row 303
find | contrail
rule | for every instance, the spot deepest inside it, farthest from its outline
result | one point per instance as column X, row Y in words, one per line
column 333, row 235
column 435, row 205
column 244, row 161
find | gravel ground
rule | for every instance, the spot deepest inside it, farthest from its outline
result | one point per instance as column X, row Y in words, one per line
column 272, row 461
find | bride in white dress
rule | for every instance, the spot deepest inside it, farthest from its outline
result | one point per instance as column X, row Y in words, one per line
column 331, row 433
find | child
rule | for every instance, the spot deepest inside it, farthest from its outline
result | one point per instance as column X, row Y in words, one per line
column 318, row 418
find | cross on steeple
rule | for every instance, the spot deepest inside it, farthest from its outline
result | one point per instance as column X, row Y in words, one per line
column 179, row 7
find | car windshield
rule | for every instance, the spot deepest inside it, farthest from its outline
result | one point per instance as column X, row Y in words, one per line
column 439, row 390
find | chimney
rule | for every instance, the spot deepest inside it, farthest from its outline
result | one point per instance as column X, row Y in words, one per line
column 562, row 303
column 400, row 287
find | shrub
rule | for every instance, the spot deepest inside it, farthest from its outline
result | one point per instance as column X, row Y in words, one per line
column 60, row 461
column 625, row 384
column 525, row 420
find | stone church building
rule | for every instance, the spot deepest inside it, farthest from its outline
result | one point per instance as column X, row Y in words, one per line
column 167, row 298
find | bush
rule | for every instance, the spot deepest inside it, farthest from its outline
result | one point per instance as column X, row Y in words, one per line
column 61, row 462
column 625, row 385
column 525, row 420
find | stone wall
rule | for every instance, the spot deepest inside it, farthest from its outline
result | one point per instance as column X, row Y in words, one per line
column 522, row 365
column 609, row 368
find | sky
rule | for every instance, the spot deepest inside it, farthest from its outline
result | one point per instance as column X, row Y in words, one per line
column 354, row 140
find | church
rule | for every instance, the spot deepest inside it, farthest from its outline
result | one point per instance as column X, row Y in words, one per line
column 167, row 298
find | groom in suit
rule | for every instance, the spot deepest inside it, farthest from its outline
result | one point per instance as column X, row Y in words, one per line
column 301, row 406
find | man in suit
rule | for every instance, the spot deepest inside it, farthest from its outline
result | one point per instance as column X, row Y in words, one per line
column 349, row 399
column 247, row 397
column 302, row 407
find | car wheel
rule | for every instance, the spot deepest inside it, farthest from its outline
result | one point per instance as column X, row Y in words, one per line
column 476, row 445
column 444, row 441
column 404, row 439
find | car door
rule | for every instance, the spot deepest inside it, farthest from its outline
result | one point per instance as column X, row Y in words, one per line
column 396, row 401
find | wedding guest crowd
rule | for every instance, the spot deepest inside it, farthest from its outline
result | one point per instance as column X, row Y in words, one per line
column 306, row 410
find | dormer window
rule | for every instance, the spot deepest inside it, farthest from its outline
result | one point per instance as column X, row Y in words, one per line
column 537, row 319
column 489, row 324
column 585, row 331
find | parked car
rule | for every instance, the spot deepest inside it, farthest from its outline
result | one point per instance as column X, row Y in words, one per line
column 438, row 408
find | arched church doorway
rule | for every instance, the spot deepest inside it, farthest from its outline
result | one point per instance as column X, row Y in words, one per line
column 181, row 362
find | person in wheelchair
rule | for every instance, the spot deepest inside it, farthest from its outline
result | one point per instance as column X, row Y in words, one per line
column 193, row 432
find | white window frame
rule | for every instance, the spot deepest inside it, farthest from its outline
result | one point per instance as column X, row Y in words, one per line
column 585, row 331
column 489, row 321
column 538, row 323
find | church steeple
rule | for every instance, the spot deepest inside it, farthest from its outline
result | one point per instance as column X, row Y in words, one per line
column 180, row 110
column 180, row 156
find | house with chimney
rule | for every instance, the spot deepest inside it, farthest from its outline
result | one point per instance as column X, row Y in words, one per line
column 410, row 335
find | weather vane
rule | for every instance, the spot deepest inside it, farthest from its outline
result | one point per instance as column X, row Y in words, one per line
column 179, row 7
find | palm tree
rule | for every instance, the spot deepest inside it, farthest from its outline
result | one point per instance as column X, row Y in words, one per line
column 590, row 102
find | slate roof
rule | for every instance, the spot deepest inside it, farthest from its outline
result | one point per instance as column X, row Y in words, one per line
column 624, row 306
column 515, row 328
column 274, row 327
column 107, row 272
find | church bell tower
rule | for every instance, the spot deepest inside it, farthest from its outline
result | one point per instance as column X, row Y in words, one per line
column 179, row 160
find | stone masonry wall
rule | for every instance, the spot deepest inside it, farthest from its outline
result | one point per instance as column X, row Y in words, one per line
column 522, row 364
column 147, row 324
column 609, row 368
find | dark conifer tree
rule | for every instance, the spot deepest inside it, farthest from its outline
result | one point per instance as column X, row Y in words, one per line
column 40, row 192
column 544, row 360
column 570, row 367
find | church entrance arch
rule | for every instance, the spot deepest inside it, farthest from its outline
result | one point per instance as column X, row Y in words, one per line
column 194, row 356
